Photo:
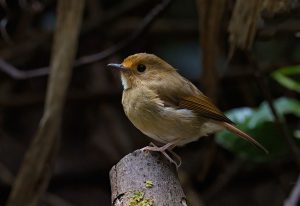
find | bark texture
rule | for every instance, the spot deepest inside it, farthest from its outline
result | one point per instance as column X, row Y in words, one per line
column 145, row 178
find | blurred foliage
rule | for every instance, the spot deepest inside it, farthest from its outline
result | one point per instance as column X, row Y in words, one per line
column 282, row 76
column 260, row 124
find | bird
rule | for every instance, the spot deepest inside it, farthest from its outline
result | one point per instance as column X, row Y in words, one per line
column 166, row 106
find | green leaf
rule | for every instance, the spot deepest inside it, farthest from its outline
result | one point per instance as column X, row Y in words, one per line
column 259, row 123
column 254, row 117
column 282, row 77
column 265, row 133
column 287, row 106
column 297, row 134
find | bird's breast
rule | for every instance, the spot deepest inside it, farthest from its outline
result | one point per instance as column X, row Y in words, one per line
column 164, row 124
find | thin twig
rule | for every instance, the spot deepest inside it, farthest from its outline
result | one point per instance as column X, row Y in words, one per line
column 293, row 199
column 141, row 29
column 40, row 39
column 108, row 16
column 223, row 179
column 3, row 31
column 11, row 70
column 280, row 121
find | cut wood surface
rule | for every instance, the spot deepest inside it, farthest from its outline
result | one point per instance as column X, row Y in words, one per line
column 145, row 178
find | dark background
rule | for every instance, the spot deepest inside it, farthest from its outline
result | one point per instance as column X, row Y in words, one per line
column 240, row 56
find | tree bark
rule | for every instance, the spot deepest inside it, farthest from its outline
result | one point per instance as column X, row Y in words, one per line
column 145, row 178
column 37, row 166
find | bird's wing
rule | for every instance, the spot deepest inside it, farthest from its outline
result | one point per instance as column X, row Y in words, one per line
column 189, row 97
column 184, row 95
column 203, row 106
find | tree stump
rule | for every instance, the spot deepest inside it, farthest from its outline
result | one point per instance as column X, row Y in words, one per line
column 147, row 179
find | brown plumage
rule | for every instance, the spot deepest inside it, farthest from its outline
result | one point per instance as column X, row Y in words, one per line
column 167, row 107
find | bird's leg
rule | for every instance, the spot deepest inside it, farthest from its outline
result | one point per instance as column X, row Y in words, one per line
column 167, row 147
column 177, row 157
column 170, row 159
column 158, row 149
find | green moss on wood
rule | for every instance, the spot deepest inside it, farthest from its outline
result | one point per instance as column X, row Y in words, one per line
column 138, row 199
column 148, row 184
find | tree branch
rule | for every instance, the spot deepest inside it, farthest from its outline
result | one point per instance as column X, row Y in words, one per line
column 36, row 169
column 141, row 29
column 280, row 121
column 293, row 199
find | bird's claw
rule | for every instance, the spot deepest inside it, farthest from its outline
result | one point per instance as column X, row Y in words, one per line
column 164, row 149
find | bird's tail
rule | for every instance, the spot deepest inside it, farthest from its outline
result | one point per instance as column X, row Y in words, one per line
column 243, row 135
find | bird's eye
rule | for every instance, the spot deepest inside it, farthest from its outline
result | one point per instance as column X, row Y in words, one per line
column 141, row 67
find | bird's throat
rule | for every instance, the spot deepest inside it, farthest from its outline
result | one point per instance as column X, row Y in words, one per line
column 125, row 82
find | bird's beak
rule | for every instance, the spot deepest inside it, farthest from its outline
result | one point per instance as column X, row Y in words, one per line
column 117, row 66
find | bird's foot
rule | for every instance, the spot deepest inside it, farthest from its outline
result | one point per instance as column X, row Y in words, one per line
column 155, row 148
column 177, row 157
column 164, row 149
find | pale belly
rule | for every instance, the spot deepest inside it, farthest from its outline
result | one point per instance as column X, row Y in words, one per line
column 169, row 125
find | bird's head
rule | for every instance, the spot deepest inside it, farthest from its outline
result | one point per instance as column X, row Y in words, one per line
column 141, row 69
